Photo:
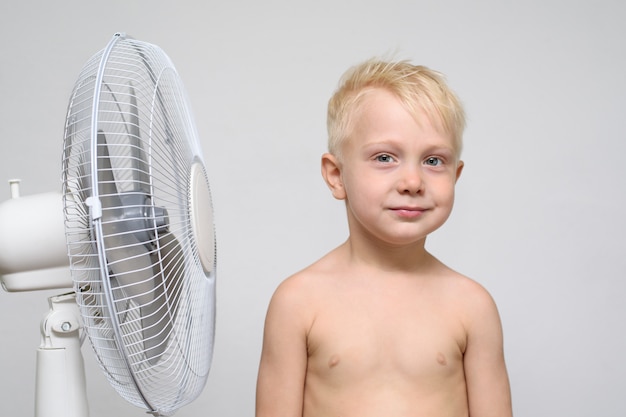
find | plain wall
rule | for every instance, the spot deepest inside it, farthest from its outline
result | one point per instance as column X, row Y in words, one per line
column 539, row 216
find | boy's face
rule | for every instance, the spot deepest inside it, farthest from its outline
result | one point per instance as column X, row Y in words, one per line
column 396, row 175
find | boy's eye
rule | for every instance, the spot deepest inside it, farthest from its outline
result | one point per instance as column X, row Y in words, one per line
column 384, row 158
column 433, row 161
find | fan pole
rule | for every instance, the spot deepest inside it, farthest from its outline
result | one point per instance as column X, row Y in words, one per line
column 60, row 389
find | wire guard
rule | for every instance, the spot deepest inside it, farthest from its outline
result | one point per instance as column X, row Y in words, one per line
column 142, row 263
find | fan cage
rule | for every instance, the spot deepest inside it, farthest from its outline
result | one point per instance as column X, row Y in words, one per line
column 131, row 95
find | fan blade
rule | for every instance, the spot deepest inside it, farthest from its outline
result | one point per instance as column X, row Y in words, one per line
column 129, row 261
column 128, row 258
column 106, row 180
column 140, row 163
column 172, row 261
column 158, row 317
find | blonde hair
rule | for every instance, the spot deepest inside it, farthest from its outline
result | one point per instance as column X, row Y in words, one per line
column 417, row 87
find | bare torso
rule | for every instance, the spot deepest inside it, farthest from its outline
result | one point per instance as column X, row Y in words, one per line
column 389, row 346
column 350, row 340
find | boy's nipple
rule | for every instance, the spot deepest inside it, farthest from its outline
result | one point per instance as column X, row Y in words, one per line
column 333, row 361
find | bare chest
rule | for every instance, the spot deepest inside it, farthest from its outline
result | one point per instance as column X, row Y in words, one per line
column 400, row 336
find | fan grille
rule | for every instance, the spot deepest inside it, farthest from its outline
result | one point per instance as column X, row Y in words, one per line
column 148, row 305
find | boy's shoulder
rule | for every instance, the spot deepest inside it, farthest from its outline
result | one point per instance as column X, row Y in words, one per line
column 329, row 266
column 466, row 286
column 307, row 287
column 297, row 298
column 475, row 305
column 305, row 281
column 463, row 290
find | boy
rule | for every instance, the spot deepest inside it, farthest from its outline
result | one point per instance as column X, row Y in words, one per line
column 379, row 327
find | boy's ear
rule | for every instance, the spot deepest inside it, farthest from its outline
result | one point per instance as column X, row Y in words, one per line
column 331, row 171
column 459, row 169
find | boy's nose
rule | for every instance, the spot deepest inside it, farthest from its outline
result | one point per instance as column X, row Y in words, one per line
column 410, row 181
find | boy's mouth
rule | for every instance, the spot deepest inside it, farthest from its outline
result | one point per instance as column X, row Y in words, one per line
column 408, row 212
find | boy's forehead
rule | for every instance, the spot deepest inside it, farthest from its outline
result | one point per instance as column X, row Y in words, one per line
column 375, row 102
column 373, row 99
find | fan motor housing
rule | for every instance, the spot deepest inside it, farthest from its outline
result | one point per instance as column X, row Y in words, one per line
column 32, row 242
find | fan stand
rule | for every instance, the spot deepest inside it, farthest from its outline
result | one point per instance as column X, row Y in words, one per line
column 37, row 261
column 60, row 381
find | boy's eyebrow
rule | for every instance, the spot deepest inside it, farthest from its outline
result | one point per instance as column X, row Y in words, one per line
column 381, row 143
column 392, row 141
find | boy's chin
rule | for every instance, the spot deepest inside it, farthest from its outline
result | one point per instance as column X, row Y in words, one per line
column 400, row 240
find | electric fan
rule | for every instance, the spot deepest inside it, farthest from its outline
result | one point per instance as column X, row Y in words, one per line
column 139, row 238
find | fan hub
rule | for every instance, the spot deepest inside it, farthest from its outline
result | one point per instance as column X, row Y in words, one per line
column 139, row 216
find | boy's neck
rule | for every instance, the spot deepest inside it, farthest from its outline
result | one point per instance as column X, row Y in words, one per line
column 386, row 257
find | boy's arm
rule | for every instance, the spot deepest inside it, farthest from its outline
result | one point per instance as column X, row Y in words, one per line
column 488, row 389
column 280, row 384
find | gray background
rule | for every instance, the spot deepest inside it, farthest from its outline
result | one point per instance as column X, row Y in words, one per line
column 539, row 216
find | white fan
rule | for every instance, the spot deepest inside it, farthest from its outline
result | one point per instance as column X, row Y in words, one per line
column 138, row 235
